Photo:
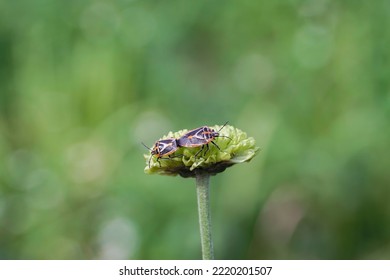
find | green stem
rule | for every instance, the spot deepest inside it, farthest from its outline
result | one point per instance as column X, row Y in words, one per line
column 203, row 192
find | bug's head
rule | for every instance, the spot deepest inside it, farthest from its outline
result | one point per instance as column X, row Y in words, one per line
column 217, row 134
column 156, row 149
column 214, row 133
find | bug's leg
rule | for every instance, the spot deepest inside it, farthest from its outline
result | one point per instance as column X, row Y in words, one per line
column 215, row 145
column 158, row 160
column 170, row 157
column 199, row 152
column 166, row 157
column 175, row 156
column 207, row 149
column 150, row 158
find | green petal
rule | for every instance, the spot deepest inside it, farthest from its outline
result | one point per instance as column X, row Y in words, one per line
column 237, row 147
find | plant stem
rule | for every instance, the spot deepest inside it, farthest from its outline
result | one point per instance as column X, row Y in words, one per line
column 203, row 192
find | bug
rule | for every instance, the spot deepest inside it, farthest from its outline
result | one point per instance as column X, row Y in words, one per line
column 200, row 136
column 164, row 147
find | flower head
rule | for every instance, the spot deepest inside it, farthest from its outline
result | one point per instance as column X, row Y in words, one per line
column 234, row 147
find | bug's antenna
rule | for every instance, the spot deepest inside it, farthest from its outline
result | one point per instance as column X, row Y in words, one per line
column 224, row 136
column 223, row 126
column 146, row 146
column 221, row 129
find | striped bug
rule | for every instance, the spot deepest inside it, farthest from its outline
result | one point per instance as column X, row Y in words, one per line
column 201, row 136
column 164, row 147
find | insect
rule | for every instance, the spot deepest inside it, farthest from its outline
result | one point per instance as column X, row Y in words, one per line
column 201, row 136
column 164, row 147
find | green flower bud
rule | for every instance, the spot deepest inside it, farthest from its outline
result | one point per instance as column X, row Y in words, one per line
column 235, row 148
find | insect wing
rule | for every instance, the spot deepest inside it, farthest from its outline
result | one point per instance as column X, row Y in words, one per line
column 167, row 147
column 193, row 138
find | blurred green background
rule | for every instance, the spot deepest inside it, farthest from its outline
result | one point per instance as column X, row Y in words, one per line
column 83, row 83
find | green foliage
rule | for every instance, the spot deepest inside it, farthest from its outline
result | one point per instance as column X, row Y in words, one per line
column 83, row 83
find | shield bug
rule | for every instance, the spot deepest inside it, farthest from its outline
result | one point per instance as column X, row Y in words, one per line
column 201, row 136
column 163, row 147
